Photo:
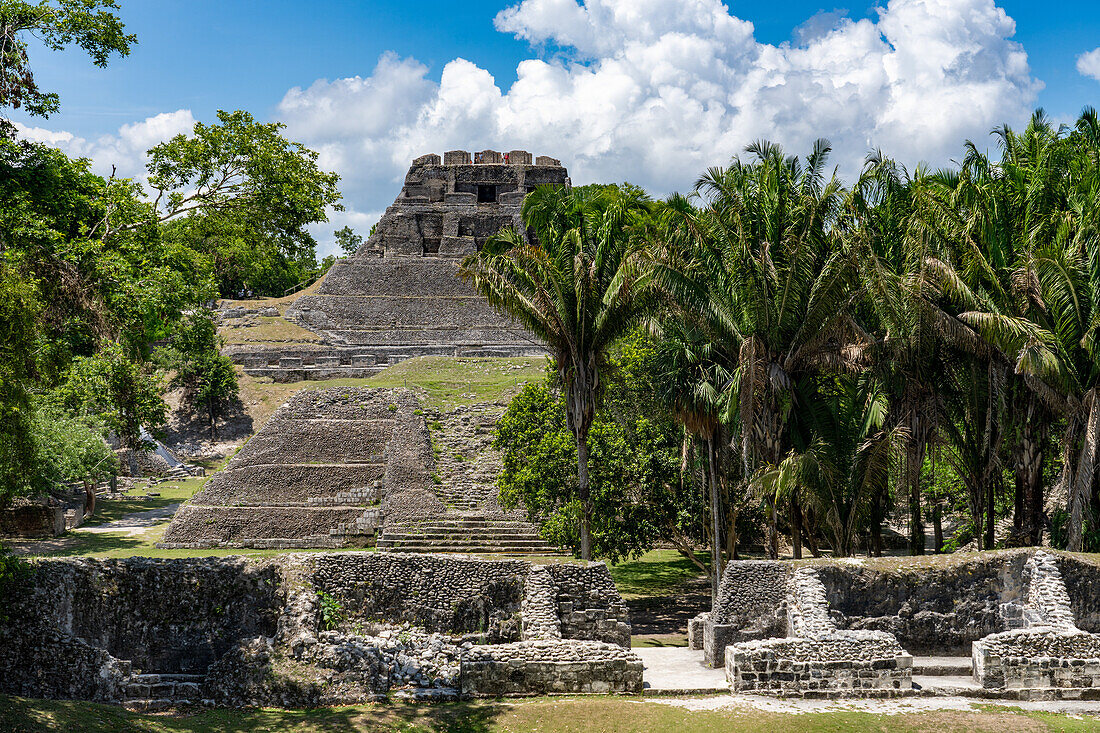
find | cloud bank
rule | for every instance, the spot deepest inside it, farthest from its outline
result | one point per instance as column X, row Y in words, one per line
column 654, row 92
column 123, row 151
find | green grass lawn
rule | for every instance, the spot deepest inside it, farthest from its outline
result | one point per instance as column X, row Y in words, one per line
column 546, row 715
column 656, row 573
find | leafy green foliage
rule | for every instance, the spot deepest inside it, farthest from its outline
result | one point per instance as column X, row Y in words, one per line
column 634, row 453
column 19, row 308
column 243, row 195
column 90, row 24
column 124, row 393
column 349, row 241
column 206, row 376
column 333, row 613
column 70, row 449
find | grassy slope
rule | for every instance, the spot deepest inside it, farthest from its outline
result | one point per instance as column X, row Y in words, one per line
column 270, row 330
column 440, row 382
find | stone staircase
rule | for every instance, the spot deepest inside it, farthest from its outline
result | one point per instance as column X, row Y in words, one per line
column 465, row 533
column 467, row 466
column 153, row 692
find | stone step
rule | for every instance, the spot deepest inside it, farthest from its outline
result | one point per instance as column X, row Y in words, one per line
column 149, row 678
column 151, row 705
column 471, row 549
column 153, row 689
column 942, row 666
column 444, row 538
column 424, row 540
column 471, row 546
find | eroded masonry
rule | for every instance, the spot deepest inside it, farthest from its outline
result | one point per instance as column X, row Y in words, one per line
column 347, row 467
column 1018, row 624
column 305, row 630
column 399, row 296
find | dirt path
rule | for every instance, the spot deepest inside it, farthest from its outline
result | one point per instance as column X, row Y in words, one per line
column 135, row 523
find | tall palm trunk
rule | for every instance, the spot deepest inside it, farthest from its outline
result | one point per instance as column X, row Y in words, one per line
column 915, row 445
column 1082, row 476
column 584, row 496
column 580, row 411
column 715, row 539
column 1028, row 465
column 796, row 529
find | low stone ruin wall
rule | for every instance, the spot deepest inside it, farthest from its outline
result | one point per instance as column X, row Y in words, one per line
column 32, row 519
column 310, row 629
column 80, row 627
column 1043, row 649
column 751, row 605
column 818, row 659
column 936, row 606
column 547, row 667
column 1037, row 659
column 867, row 663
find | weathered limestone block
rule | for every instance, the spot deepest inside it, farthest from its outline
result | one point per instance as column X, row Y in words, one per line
column 817, row 658
column 550, row 667
column 1045, row 649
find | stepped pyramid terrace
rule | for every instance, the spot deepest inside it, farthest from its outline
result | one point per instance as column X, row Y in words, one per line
column 398, row 296
column 348, row 466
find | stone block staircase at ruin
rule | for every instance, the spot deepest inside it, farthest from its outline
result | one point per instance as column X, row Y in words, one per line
column 467, row 466
column 156, row 692
column 465, row 533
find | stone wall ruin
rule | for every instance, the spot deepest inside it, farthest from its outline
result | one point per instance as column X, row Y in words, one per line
column 816, row 658
column 1027, row 619
column 301, row 630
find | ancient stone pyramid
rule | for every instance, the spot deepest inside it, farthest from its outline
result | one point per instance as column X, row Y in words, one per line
column 318, row 474
column 398, row 296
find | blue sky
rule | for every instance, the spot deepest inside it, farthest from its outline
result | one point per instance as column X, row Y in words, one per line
column 647, row 90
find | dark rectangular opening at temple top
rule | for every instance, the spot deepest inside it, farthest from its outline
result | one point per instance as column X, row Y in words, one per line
column 486, row 194
column 431, row 247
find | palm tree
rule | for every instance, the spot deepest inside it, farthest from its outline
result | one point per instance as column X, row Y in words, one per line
column 577, row 281
column 1058, row 352
column 1008, row 209
column 848, row 462
column 761, row 275
column 693, row 382
column 898, row 225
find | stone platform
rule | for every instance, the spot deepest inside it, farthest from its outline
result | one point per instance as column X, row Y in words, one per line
column 399, row 296
column 320, row 473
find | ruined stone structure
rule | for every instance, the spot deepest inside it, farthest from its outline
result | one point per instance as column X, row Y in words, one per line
column 313, row 629
column 1043, row 648
column 320, row 473
column 1022, row 623
column 399, row 296
column 816, row 658
column 332, row 467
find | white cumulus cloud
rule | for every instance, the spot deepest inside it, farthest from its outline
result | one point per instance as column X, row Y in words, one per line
column 655, row 91
column 123, row 151
column 1088, row 64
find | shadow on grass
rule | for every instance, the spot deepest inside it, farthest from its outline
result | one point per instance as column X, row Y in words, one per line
column 22, row 715
column 655, row 573
column 78, row 543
